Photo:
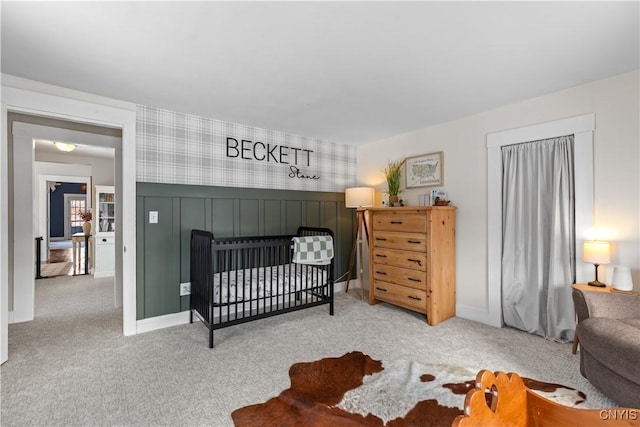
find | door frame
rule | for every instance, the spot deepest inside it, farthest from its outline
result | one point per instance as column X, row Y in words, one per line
column 93, row 110
column 42, row 196
column 582, row 128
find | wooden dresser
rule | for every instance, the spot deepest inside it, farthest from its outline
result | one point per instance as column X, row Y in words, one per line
column 412, row 259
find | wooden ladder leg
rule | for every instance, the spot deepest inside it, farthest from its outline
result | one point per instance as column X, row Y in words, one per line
column 360, row 250
column 352, row 257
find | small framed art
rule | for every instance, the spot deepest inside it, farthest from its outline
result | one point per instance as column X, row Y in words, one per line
column 425, row 170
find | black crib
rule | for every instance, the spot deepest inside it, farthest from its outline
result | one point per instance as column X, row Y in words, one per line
column 240, row 279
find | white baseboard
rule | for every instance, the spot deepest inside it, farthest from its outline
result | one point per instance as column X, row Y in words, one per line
column 161, row 322
column 475, row 314
column 104, row 274
column 19, row 317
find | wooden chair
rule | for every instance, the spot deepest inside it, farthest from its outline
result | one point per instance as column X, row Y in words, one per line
column 503, row 400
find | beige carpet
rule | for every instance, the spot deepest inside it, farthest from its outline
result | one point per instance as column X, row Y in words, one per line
column 72, row 366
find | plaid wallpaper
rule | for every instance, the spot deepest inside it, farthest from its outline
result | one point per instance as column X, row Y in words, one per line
column 176, row 148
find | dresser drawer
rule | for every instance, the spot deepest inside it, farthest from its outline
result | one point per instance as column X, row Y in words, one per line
column 400, row 258
column 401, row 276
column 413, row 299
column 415, row 222
column 406, row 241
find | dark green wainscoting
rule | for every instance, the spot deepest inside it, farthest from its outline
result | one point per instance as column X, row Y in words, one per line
column 163, row 248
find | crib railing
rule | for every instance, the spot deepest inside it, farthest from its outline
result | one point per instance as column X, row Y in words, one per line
column 240, row 279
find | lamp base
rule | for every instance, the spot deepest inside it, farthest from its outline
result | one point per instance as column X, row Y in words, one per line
column 597, row 284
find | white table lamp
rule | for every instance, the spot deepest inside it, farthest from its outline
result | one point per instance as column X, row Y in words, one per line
column 596, row 253
column 359, row 197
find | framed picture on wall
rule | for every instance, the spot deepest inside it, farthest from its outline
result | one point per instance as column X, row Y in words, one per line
column 425, row 170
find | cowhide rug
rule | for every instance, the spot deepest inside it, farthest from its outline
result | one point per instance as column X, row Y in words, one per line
column 355, row 390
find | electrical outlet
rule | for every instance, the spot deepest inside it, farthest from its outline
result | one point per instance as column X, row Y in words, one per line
column 185, row 289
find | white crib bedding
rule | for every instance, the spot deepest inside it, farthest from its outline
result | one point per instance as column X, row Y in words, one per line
column 263, row 282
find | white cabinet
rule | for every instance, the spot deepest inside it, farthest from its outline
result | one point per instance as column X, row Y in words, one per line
column 105, row 262
column 105, row 227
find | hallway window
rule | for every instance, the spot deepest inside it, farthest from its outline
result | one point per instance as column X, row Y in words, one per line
column 76, row 206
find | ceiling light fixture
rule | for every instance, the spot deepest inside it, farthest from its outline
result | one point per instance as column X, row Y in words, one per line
column 64, row 147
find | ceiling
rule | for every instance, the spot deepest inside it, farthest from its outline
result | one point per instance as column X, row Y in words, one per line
column 348, row 72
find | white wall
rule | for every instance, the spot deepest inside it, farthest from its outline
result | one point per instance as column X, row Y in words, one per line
column 614, row 101
column 102, row 169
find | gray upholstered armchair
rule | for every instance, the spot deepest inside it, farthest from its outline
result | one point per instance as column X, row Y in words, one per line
column 609, row 334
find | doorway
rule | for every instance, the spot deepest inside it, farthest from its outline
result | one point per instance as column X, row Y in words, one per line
column 582, row 128
column 74, row 206
column 538, row 244
column 17, row 228
column 50, row 177
column 64, row 201
column 28, row 137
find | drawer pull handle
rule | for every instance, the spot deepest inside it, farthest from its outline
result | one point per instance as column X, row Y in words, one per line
column 381, row 272
column 414, row 241
column 381, row 256
column 417, row 261
column 415, row 298
column 104, row 240
column 381, row 238
column 414, row 280
column 396, row 222
column 381, row 289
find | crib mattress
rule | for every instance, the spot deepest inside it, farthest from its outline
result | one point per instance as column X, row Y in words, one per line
column 263, row 282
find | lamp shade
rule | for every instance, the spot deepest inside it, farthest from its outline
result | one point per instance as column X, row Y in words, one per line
column 596, row 252
column 359, row 197
column 621, row 279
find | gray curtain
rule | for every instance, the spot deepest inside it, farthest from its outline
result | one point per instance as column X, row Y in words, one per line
column 538, row 226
